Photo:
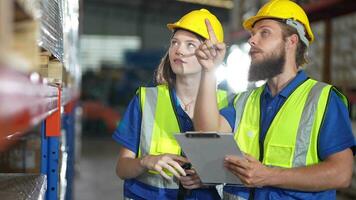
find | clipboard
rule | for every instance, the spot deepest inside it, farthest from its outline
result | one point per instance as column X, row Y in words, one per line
column 207, row 151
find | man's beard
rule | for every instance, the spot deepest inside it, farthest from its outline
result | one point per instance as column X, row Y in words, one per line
column 267, row 68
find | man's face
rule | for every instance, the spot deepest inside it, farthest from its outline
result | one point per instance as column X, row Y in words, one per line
column 267, row 50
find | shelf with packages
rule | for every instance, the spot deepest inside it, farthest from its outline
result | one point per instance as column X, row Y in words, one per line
column 38, row 95
column 26, row 102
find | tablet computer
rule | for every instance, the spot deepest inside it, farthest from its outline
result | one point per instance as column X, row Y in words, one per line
column 207, row 151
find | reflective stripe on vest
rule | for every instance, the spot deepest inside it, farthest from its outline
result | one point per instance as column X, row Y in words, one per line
column 305, row 134
column 299, row 119
column 239, row 106
column 250, row 137
column 159, row 123
column 158, row 126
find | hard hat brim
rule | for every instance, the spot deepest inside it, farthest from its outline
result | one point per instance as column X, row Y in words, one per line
column 172, row 27
column 250, row 22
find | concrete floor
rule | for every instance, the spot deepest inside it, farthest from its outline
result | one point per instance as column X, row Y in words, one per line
column 96, row 178
column 95, row 175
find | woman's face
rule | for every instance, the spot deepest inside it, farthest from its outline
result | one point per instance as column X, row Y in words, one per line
column 182, row 53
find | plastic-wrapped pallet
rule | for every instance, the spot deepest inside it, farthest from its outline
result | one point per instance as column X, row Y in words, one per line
column 22, row 186
column 49, row 13
column 71, row 42
column 51, row 31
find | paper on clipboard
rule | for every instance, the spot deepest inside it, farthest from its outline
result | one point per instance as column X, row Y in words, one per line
column 207, row 151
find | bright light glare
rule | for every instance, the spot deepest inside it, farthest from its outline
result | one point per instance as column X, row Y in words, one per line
column 35, row 77
column 236, row 70
column 260, row 83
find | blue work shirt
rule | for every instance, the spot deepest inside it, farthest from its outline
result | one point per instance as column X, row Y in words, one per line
column 128, row 135
column 335, row 135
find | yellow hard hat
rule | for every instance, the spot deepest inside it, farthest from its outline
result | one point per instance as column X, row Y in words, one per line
column 282, row 9
column 194, row 21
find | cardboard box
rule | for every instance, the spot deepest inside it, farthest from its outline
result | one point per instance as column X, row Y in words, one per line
column 55, row 71
column 25, row 45
column 6, row 24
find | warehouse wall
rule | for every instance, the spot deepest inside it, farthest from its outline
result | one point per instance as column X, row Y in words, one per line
column 343, row 57
column 147, row 21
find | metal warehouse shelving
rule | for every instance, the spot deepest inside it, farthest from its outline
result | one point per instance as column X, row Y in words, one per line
column 33, row 93
column 25, row 102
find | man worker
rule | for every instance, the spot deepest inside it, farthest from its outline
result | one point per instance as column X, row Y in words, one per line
column 295, row 131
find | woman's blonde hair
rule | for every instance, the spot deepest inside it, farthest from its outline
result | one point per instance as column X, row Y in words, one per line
column 164, row 73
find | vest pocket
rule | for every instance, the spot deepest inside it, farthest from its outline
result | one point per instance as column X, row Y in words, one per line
column 279, row 155
column 167, row 146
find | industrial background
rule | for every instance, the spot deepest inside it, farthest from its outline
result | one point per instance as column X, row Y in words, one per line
column 68, row 69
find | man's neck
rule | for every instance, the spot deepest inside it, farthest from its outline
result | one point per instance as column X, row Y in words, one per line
column 277, row 83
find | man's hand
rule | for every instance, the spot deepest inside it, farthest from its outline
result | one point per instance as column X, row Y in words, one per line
column 210, row 53
column 169, row 162
column 249, row 170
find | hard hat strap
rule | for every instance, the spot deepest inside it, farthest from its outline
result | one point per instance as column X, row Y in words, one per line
column 300, row 29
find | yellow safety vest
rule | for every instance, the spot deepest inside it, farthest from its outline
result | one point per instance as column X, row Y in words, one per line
column 158, row 126
column 292, row 138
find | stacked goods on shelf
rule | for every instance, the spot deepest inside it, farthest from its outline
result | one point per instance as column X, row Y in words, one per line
column 23, row 157
column 45, row 56
column 342, row 57
column 26, row 25
column 55, row 71
column 18, row 37
column 52, row 69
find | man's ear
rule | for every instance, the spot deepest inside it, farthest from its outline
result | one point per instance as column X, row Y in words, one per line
column 292, row 41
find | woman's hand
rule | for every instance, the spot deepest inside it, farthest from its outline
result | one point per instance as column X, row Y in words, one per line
column 210, row 53
column 169, row 162
column 191, row 180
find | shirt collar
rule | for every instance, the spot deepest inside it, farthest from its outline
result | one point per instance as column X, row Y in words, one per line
column 292, row 85
column 175, row 99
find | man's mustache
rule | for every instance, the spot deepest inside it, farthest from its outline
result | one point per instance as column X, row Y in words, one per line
column 254, row 50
